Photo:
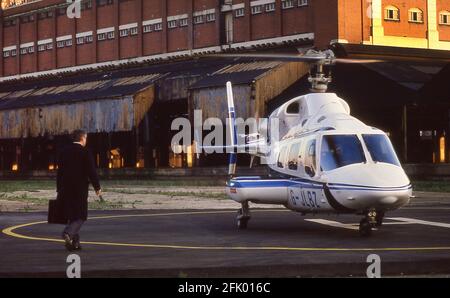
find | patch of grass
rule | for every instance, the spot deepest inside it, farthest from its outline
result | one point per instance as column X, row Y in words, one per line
column 191, row 194
column 214, row 195
column 105, row 205
column 27, row 208
column 431, row 185
column 23, row 198
column 35, row 185
column 163, row 183
column 26, row 185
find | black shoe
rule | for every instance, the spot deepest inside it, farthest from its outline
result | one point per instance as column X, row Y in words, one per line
column 68, row 242
column 76, row 242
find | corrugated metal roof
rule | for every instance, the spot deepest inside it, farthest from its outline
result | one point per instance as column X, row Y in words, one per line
column 111, row 84
column 80, row 88
column 237, row 73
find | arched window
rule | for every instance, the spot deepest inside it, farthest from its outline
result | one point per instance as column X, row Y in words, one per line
column 391, row 13
column 444, row 17
column 415, row 15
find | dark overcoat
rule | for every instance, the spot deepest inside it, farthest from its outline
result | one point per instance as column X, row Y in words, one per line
column 76, row 169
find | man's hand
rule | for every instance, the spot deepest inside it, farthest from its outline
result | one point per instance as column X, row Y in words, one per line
column 99, row 194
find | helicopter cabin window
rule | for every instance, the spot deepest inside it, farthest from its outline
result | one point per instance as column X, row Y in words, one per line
column 293, row 108
column 310, row 158
column 339, row 151
column 282, row 157
column 294, row 154
column 380, row 149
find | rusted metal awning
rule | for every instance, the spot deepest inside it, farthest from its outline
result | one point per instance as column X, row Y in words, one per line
column 95, row 103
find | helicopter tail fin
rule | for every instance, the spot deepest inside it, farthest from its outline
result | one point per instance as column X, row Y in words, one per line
column 233, row 133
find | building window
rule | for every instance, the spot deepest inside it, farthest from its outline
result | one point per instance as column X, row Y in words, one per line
column 80, row 40
column 6, row 54
column 270, row 7
column 60, row 44
column 198, row 19
column 27, row 18
column 210, row 17
column 41, row 47
column 172, row 24
column 50, row 46
column 286, row 4
column 62, row 11
column 42, row 15
column 134, row 31
column 89, row 39
column 444, row 18
column 13, row 53
column 31, row 49
column 111, row 35
column 239, row 12
column 101, row 36
column 415, row 15
column 9, row 23
column 302, row 2
column 23, row 51
column 104, row 2
column 88, row 4
column 183, row 22
column 147, row 28
column 123, row 32
column 256, row 9
column 158, row 27
column 69, row 43
column 392, row 13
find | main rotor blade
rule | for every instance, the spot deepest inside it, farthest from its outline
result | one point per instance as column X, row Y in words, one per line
column 357, row 61
column 277, row 57
column 298, row 58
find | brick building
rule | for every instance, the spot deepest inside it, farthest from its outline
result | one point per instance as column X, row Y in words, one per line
column 45, row 52
column 37, row 36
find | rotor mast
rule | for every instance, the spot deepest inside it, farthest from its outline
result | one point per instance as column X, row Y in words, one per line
column 317, row 77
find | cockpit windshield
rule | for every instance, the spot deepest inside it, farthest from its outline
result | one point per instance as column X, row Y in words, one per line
column 380, row 149
column 339, row 151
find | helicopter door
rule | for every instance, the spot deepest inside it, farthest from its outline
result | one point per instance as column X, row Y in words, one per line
column 303, row 194
column 310, row 158
column 310, row 194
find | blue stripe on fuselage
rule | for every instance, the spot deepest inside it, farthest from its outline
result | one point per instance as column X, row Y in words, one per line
column 251, row 182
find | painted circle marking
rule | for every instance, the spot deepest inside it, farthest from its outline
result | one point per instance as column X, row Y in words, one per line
column 11, row 231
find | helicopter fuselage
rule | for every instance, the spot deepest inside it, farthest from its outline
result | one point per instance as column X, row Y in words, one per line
column 326, row 162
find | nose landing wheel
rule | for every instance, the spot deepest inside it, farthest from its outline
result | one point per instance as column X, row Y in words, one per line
column 243, row 216
column 367, row 224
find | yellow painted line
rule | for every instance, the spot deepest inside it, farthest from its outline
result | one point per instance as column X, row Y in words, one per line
column 10, row 231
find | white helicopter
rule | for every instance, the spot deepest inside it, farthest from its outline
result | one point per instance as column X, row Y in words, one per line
column 326, row 160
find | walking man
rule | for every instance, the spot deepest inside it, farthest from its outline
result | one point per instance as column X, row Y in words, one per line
column 76, row 169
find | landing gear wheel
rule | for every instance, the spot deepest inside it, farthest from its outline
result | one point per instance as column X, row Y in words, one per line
column 365, row 228
column 242, row 223
column 379, row 219
column 243, row 216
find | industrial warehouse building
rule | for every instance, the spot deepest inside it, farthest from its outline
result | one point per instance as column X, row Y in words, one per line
column 126, row 68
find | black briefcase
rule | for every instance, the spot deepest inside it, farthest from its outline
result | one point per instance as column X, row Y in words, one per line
column 56, row 212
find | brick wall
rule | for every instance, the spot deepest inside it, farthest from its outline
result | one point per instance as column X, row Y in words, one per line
column 327, row 19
